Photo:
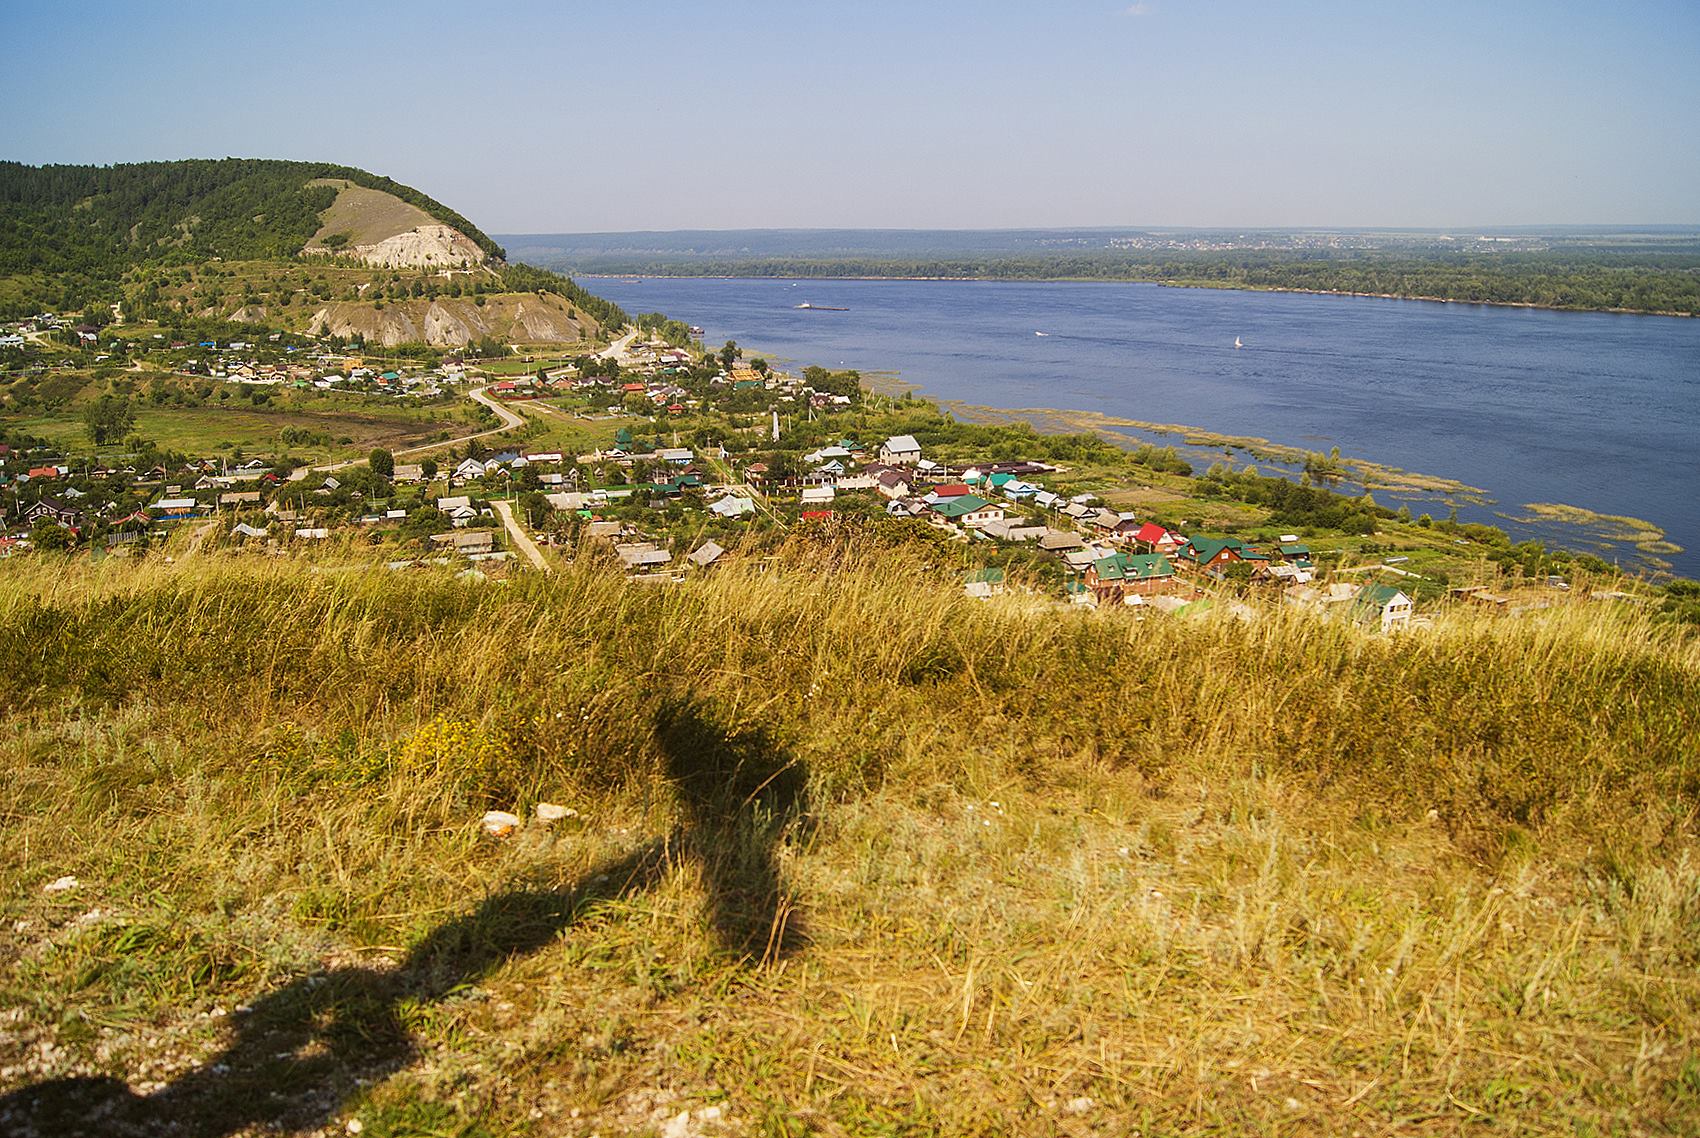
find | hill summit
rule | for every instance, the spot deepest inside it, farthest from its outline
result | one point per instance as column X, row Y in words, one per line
column 377, row 228
column 75, row 218
column 302, row 246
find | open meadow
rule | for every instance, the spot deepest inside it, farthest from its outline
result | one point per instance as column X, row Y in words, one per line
column 848, row 853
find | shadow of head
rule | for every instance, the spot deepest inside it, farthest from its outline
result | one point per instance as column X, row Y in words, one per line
column 740, row 790
column 75, row 1106
column 720, row 772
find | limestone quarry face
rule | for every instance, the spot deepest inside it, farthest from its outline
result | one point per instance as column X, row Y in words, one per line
column 423, row 247
column 453, row 322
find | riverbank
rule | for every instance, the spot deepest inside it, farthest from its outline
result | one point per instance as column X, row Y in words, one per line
column 1227, row 287
column 1571, row 527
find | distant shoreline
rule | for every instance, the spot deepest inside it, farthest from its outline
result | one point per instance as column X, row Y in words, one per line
column 1157, row 284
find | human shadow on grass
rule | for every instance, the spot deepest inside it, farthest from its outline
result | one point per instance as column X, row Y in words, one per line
column 297, row 1054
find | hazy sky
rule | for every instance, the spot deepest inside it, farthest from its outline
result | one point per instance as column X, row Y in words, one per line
column 546, row 117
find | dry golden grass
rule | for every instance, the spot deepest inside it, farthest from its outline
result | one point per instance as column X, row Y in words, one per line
column 860, row 856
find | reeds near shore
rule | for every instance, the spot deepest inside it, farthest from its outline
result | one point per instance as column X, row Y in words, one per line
column 888, row 859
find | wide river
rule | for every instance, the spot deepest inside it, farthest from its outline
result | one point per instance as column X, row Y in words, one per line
column 1595, row 410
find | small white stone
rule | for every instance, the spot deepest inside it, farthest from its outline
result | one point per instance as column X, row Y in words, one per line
column 499, row 823
column 61, row 885
column 355, row 1126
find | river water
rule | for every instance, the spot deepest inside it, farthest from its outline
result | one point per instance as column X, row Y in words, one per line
column 1595, row 410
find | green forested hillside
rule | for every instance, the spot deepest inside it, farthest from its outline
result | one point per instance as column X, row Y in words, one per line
column 74, row 231
column 78, row 238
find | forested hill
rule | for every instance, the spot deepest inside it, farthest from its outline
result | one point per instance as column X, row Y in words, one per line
column 166, row 237
column 98, row 221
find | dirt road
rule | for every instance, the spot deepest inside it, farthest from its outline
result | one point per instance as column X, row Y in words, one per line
column 522, row 540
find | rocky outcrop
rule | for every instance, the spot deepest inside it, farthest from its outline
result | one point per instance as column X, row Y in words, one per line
column 384, row 232
column 451, row 323
column 425, row 247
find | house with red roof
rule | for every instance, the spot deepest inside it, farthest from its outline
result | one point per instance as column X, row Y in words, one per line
column 1153, row 538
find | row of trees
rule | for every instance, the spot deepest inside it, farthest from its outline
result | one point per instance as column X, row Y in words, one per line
column 1663, row 282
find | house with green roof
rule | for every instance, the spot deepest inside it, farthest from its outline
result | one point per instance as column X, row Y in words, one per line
column 987, row 582
column 1212, row 555
column 968, row 510
column 1119, row 577
column 1383, row 604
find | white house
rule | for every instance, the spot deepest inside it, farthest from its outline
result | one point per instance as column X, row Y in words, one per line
column 733, row 506
column 1384, row 603
column 825, row 454
column 901, row 450
column 892, row 485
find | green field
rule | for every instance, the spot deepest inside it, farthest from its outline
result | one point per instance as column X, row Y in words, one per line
column 337, row 430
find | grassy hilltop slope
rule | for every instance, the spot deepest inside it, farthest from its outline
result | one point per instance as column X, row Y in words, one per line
column 854, row 855
column 300, row 246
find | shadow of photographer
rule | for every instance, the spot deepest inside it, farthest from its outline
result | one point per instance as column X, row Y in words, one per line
column 301, row 1051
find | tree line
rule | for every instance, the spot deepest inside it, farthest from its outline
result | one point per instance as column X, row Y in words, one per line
column 1569, row 279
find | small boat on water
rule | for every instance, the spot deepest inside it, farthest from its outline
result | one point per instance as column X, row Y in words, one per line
column 1041, row 333
column 820, row 307
column 1237, row 343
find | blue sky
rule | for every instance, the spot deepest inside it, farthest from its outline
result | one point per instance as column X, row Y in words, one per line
column 544, row 117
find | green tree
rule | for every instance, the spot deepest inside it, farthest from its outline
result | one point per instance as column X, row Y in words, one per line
column 428, row 468
column 108, row 419
column 382, row 462
column 729, row 354
column 47, row 535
